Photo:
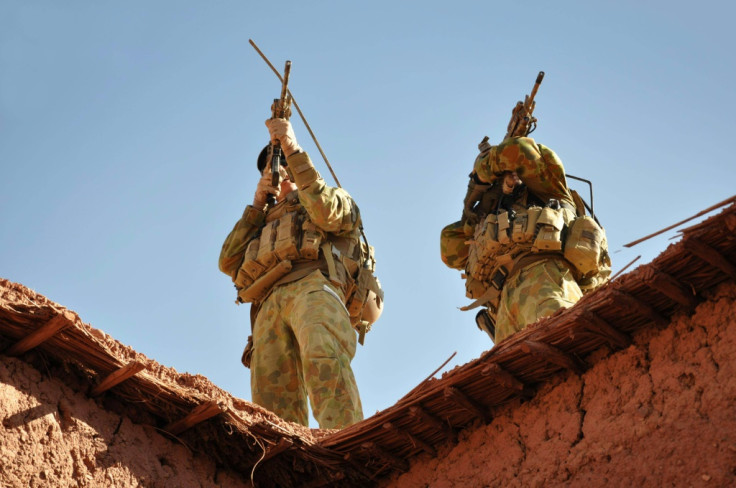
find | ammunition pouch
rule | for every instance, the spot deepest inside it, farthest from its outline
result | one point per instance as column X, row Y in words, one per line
column 503, row 243
column 365, row 296
column 584, row 246
column 290, row 246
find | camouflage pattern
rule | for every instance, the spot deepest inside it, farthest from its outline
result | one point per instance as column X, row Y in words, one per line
column 330, row 208
column 231, row 254
column 537, row 166
column 302, row 336
column 453, row 249
column 534, row 292
column 302, row 347
column 543, row 287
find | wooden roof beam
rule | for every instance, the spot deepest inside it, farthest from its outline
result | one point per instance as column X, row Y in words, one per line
column 117, row 377
column 710, row 255
column 596, row 326
column 422, row 415
column 42, row 334
column 413, row 440
column 373, row 449
column 670, row 287
column 639, row 306
column 203, row 412
column 552, row 355
column 465, row 402
column 495, row 372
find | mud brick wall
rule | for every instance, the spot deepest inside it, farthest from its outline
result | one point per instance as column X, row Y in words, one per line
column 660, row 413
column 52, row 436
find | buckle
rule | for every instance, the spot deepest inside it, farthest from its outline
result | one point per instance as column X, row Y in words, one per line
column 499, row 278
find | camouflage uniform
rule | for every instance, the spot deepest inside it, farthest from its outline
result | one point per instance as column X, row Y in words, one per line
column 533, row 290
column 303, row 341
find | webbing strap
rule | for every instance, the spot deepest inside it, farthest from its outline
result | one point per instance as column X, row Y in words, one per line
column 331, row 269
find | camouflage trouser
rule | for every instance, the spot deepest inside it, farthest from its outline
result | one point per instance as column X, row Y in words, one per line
column 535, row 292
column 302, row 346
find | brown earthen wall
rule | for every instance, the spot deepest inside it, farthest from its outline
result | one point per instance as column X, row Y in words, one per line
column 660, row 413
column 52, row 436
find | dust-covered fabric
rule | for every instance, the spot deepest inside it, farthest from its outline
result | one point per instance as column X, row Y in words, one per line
column 302, row 336
column 538, row 167
column 453, row 247
column 231, row 254
column 330, row 208
column 302, row 347
column 534, row 292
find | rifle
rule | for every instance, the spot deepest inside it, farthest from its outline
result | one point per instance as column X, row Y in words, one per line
column 522, row 122
column 280, row 109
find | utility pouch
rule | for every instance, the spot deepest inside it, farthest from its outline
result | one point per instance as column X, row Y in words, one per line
column 311, row 240
column 250, row 266
column 357, row 299
column 583, row 245
column 474, row 288
column 549, row 230
column 473, row 265
column 489, row 235
column 519, row 227
column 266, row 254
column 285, row 245
column 503, row 227
column 532, row 216
column 247, row 353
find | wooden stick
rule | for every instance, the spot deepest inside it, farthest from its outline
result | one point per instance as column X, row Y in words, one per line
column 43, row 333
column 552, row 355
column 412, row 439
column 203, row 412
column 301, row 115
column 421, row 384
column 117, row 377
column 502, row 377
column 464, row 401
column 625, row 268
column 710, row 255
column 702, row 212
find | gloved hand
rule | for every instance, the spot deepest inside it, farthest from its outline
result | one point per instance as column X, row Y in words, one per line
column 282, row 132
column 264, row 187
column 474, row 193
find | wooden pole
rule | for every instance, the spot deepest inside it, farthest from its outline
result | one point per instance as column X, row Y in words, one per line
column 203, row 412
column 117, row 377
column 43, row 333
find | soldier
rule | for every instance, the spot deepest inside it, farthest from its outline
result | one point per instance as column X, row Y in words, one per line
column 296, row 261
column 523, row 242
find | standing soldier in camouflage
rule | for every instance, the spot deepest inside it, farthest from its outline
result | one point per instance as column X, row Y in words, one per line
column 524, row 242
column 296, row 260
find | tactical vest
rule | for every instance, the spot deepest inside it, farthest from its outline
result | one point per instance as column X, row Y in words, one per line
column 290, row 246
column 515, row 231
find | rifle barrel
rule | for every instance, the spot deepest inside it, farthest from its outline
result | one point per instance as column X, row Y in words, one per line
column 540, row 76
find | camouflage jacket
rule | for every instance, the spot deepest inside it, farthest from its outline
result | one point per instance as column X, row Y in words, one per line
column 539, row 168
column 331, row 209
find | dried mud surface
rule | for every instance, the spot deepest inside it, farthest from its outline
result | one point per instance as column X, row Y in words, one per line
column 660, row 413
column 52, row 436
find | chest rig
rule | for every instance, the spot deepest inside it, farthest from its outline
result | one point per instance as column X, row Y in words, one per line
column 289, row 246
column 514, row 231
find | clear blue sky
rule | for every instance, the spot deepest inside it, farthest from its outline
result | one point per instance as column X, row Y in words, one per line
column 129, row 133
